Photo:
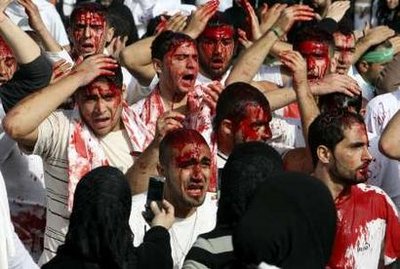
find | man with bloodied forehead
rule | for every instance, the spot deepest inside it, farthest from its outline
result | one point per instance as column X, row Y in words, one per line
column 101, row 130
column 88, row 29
column 317, row 48
column 368, row 228
column 217, row 48
column 185, row 162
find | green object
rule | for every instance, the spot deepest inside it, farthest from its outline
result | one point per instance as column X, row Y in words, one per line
column 378, row 56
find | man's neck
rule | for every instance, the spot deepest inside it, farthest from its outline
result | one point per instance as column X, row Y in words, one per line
column 181, row 211
column 334, row 187
column 171, row 98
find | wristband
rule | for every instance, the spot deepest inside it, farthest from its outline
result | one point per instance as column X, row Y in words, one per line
column 277, row 31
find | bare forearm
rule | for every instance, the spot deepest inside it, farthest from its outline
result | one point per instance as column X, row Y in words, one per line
column 144, row 167
column 137, row 59
column 361, row 47
column 29, row 113
column 49, row 43
column 251, row 59
column 307, row 106
column 280, row 98
column 24, row 48
column 389, row 143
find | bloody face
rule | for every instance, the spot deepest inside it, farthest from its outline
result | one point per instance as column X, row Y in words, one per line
column 188, row 174
column 8, row 63
column 88, row 33
column 344, row 50
column 254, row 126
column 351, row 157
column 100, row 105
column 317, row 56
column 216, row 49
column 180, row 68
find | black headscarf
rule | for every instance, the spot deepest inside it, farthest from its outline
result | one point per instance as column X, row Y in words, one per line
column 99, row 235
column 248, row 165
column 290, row 224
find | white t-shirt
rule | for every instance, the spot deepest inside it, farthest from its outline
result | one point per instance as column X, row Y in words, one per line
column 52, row 145
column 183, row 232
column 368, row 91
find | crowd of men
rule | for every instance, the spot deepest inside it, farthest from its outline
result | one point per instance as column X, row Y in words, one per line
column 274, row 123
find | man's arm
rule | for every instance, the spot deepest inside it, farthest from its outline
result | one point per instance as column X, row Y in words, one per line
column 389, row 143
column 146, row 165
column 251, row 59
column 22, row 122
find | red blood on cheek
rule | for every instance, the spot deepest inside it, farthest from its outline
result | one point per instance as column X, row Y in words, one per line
column 254, row 114
column 317, row 56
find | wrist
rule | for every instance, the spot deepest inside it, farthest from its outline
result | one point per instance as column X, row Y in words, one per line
column 277, row 31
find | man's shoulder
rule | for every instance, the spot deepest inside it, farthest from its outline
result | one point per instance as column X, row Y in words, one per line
column 385, row 99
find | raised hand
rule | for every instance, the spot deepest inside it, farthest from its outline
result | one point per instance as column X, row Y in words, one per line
column 35, row 20
column 94, row 66
column 253, row 26
column 335, row 83
column 296, row 64
column 376, row 35
column 337, row 10
column 268, row 16
column 199, row 18
column 167, row 122
column 292, row 14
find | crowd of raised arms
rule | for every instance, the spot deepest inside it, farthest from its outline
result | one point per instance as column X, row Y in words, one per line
column 168, row 134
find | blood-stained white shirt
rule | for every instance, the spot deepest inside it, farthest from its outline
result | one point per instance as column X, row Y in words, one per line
column 368, row 229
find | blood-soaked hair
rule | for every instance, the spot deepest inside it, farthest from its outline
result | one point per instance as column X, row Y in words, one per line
column 116, row 79
column 221, row 19
column 167, row 40
column 313, row 33
column 87, row 7
column 328, row 130
column 233, row 100
column 177, row 138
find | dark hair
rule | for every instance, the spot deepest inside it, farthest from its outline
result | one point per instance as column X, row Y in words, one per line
column 312, row 33
column 99, row 230
column 338, row 101
column 153, row 24
column 388, row 16
column 345, row 26
column 248, row 165
column 221, row 19
column 178, row 137
column 87, row 7
column 167, row 40
column 121, row 19
column 233, row 99
column 328, row 129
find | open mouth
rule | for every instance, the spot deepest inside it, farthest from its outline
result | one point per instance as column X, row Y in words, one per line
column 101, row 122
column 195, row 190
column 217, row 62
column 188, row 79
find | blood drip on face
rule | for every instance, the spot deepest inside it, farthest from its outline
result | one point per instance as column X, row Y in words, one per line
column 317, row 57
column 254, row 115
column 8, row 63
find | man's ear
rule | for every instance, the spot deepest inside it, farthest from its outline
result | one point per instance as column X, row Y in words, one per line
column 324, row 154
column 363, row 67
column 157, row 64
column 226, row 127
column 109, row 34
column 160, row 170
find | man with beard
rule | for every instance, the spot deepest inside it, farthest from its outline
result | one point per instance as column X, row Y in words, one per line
column 368, row 229
column 185, row 162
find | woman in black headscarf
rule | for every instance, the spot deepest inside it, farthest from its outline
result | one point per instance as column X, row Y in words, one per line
column 290, row 223
column 99, row 236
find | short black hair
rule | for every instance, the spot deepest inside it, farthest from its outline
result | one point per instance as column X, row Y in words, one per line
column 233, row 99
column 163, row 43
column 312, row 33
column 328, row 129
column 121, row 19
column 338, row 101
column 87, row 7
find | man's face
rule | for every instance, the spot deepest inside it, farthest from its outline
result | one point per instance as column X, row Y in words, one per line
column 88, row 33
column 373, row 72
column 100, row 105
column 351, row 156
column 392, row 4
column 344, row 50
column 254, row 126
column 180, row 68
column 8, row 63
column 188, row 173
column 317, row 56
column 216, row 49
